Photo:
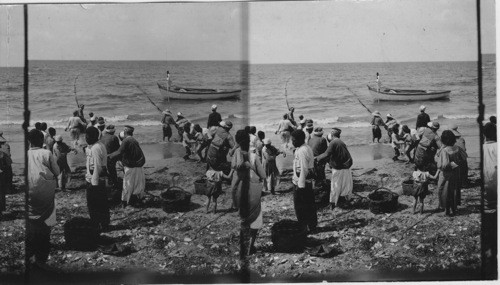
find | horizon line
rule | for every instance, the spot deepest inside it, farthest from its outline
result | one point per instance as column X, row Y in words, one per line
column 243, row 61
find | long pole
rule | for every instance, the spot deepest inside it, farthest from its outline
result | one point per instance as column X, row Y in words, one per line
column 76, row 97
column 480, row 120
column 26, row 145
column 286, row 95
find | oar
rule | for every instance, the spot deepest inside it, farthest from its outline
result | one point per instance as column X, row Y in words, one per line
column 359, row 100
column 286, row 95
column 145, row 93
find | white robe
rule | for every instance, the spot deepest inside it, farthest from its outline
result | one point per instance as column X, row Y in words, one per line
column 341, row 184
column 134, row 182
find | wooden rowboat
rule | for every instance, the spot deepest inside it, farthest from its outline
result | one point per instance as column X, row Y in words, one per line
column 183, row 93
column 389, row 94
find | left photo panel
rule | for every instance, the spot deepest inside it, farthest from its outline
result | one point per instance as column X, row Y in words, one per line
column 133, row 109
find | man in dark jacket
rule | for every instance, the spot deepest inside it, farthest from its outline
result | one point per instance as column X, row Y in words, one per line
column 112, row 144
column 423, row 118
column 214, row 118
column 340, row 161
column 221, row 143
column 132, row 157
column 318, row 145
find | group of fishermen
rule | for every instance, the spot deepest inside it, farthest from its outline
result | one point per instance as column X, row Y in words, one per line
column 48, row 169
column 444, row 154
column 252, row 167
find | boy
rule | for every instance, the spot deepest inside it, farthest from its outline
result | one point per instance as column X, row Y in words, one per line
column 215, row 178
column 421, row 186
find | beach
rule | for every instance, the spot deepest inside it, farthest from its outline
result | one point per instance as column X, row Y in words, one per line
column 193, row 244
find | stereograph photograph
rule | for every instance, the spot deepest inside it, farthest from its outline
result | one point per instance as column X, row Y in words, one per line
column 237, row 142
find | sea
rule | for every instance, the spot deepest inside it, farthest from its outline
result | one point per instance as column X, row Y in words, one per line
column 112, row 89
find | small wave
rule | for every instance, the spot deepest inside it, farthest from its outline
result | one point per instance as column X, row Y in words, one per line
column 147, row 123
column 233, row 116
column 462, row 82
column 125, row 84
column 141, row 117
column 456, row 117
column 19, row 87
column 353, row 118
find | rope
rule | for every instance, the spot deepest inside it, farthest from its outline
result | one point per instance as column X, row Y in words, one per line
column 359, row 100
column 145, row 93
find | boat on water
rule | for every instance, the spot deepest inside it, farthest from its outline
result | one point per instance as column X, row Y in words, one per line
column 390, row 94
column 184, row 93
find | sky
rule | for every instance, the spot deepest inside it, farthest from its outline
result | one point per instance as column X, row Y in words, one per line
column 275, row 32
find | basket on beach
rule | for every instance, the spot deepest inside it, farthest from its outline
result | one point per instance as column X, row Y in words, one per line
column 288, row 235
column 383, row 201
column 201, row 186
column 81, row 234
column 175, row 199
column 408, row 187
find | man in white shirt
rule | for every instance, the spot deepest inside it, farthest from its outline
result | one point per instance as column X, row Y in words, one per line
column 303, row 195
column 97, row 202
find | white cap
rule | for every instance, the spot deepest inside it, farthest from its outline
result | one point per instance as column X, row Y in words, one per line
column 422, row 108
column 214, row 107
column 389, row 115
column 179, row 114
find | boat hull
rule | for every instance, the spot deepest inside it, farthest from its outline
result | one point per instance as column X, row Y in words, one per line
column 197, row 94
column 411, row 95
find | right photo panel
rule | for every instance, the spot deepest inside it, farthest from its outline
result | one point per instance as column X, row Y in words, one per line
column 366, row 113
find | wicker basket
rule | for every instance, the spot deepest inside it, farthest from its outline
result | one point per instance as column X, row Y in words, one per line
column 408, row 187
column 175, row 199
column 288, row 235
column 81, row 234
column 383, row 201
column 201, row 186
